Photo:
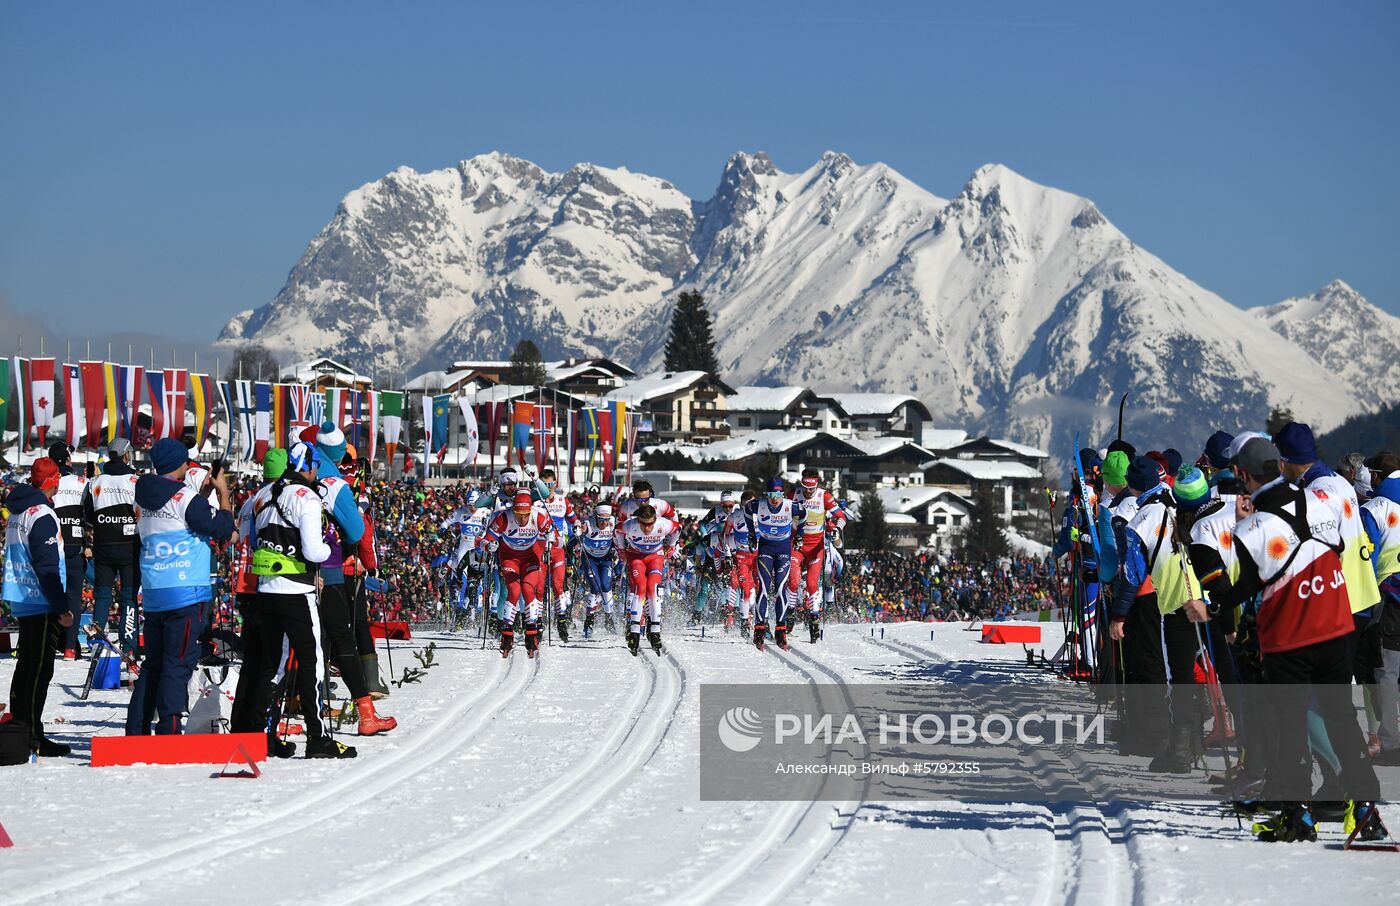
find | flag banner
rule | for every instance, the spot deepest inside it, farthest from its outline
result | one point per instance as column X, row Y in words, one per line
column 262, row 419
column 588, row 429
column 335, row 403
column 572, row 417
column 41, row 396
column 634, row 425
column 19, row 396
column 440, row 407
column 94, row 401
column 355, row 407
column 298, row 409
column 372, row 407
column 619, row 431
column 4, row 393
column 155, row 384
column 522, row 420
column 391, row 414
column 175, row 379
column 111, row 400
column 202, row 402
column 73, row 406
column 471, row 430
column 427, row 401
column 230, row 417
column 132, row 383
column 247, row 420
column 544, row 435
column 279, row 427
column 605, row 443
column 316, row 414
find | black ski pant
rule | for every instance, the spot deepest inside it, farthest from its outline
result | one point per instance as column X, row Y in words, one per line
column 1181, row 642
column 76, row 566
column 296, row 617
column 1147, row 714
column 255, row 675
column 1321, row 674
column 39, row 638
column 359, row 607
column 106, row 574
column 338, row 640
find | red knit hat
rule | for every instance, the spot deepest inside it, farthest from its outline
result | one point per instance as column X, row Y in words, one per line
column 44, row 474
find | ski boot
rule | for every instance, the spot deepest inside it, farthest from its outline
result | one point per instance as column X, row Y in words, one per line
column 746, row 627
column 654, row 638
column 780, row 637
column 280, row 748
column 47, row 748
column 608, row 623
column 493, row 624
column 372, row 724
column 759, row 632
column 1292, row 825
column 325, row 747
column 634, row 642
column 588, row 626
column 564, row 624
column 532, row 640
column 815, row 627
column 507, row 641
column 1363, row 825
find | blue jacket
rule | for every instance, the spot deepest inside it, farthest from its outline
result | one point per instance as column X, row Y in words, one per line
column 44, row 558
column 174, row 543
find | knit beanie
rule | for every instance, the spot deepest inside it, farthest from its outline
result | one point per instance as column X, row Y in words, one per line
column 331, row 440
column 1143, row 474
column 1191, row 488
column 1217, row 446
column 1115, row 468
column 167, row 455
column 274, row 463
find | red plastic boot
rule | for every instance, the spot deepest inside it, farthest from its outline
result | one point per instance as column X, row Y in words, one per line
column 372, row 724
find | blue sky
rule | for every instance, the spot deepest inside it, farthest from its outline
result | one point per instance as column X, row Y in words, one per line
column 162, row 166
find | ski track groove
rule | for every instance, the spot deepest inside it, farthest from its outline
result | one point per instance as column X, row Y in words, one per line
column 802, row 826
column 435, row 742
column 1084, row 835
column 614, row 762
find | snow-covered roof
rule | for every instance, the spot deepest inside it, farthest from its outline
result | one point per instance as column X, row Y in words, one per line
column 657, row 384
column 1021, row 449
column 715, row 477
column 566, row 368
column 473, row 365
column 749, row 398
column 866, row 404
column 900, row 519
column 906, row 500
column 884, row 446
column 986, row 470
column 437, row 380
column 1026, row 545
column 308, row 371
column 779, row 440
column 943, row 438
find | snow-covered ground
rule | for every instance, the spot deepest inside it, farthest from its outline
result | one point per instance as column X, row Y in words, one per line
column 574, row 778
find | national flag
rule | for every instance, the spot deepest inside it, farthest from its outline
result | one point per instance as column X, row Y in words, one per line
column 588, row 435
column 4, row 392
column 262, row 418
column 129, row 398
column 298, row 409
column 155, row 384
column 316, row 408
column 573, row 439
column 372, row 406
column 175, row 382
column 230, row 415
column 633, row 429
column 391, row 413
column 472, row 431
column 336, row 402
column 247, row 420
column 19, row 395
column 111, row 399
column 202, row 401
column 440, row 406
column 619, row 431
column 73, row 405
column 94, row 401
column 280, row 428
column 605, row 443
column 544, row 435
column 521, row 422
column 41, row 396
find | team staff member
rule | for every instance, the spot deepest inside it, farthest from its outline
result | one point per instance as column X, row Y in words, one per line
column 176, row 526
column 114, row 544
column 33, row 587
column 68, row 505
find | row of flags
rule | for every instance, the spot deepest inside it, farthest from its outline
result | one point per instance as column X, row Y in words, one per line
column 103, row 400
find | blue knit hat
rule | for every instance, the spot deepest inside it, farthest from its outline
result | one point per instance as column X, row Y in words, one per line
column 1296, row 444
column 1191, row 488
column 1216, row 446
column 1143, row 474
column 167, row 455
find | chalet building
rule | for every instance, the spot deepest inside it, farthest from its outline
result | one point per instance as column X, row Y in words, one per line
column 760, row 408
column 887, row 462
column 1018, row 487
column 324, row 372
column 938, row 513
column 684, row 406
column 883, row 414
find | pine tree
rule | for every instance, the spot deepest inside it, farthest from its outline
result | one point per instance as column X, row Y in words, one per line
column 758, row 469
column 526, row 366
column 984, row 536
column 691, row 346
column 253, row 362
column 874, row 533
column 1278, row 417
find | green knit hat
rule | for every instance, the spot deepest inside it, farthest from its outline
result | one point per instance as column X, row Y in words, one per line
column 274, row 463
column 1115, row 468
column 1191, row 489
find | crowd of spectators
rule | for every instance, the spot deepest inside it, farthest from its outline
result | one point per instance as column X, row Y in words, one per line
column 893, row 587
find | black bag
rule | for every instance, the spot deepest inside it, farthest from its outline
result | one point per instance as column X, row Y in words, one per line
column 14, row 743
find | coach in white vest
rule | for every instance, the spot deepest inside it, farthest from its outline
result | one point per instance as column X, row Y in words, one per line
column 176, row 526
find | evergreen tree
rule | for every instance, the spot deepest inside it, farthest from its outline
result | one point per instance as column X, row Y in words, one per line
column 1278, row 417
column 526, row 366
column 759, row 469
column 253, row 362
column 671, row 461
column 984, row 536
column 691, row 346
column 874, row 532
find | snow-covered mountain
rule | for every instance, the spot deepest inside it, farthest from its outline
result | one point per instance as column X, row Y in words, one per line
column 1013, row 307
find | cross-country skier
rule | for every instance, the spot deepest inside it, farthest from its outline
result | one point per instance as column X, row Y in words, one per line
column 823, row 517
column 647, row 541
column 775, row 524
column 521, row 538
column 561, row 513
column 470, row 521
column 742, row 579
column 597, row 539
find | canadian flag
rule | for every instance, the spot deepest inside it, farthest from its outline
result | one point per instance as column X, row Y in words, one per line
column 41, row 372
